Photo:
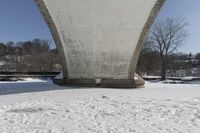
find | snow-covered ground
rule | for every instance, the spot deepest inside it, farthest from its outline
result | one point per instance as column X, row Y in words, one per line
column 41, row 107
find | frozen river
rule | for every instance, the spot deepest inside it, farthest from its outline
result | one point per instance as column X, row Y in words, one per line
column 40, row 107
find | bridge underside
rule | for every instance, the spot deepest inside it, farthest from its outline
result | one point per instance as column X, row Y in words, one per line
column 99, row 41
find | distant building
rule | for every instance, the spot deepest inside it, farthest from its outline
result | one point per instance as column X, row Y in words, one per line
column 180, row 73
column 195, row 72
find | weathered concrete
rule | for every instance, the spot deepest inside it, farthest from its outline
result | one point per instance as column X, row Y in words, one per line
column 99, row 40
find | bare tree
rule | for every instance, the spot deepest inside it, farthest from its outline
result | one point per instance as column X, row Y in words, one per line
column 166, row 36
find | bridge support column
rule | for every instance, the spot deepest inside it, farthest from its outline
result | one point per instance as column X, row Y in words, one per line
column 99, row 41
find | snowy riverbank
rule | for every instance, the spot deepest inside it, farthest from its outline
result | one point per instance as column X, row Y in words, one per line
column 41, row 107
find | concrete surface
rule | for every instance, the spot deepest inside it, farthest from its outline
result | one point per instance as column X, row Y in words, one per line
column 99, row 40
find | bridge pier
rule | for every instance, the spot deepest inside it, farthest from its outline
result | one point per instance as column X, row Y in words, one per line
column 99, row 41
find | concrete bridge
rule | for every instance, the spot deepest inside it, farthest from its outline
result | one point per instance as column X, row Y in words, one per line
column 99, row 41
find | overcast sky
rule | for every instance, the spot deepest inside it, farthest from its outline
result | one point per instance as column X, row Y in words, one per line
column 21, row 21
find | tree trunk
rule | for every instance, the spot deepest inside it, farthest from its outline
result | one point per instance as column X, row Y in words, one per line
column 163, row 69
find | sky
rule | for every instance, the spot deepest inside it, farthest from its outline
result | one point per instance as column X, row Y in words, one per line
column 21, row 21
column 190, row 11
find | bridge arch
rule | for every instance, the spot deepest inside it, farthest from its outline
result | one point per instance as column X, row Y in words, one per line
column 99, row 41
